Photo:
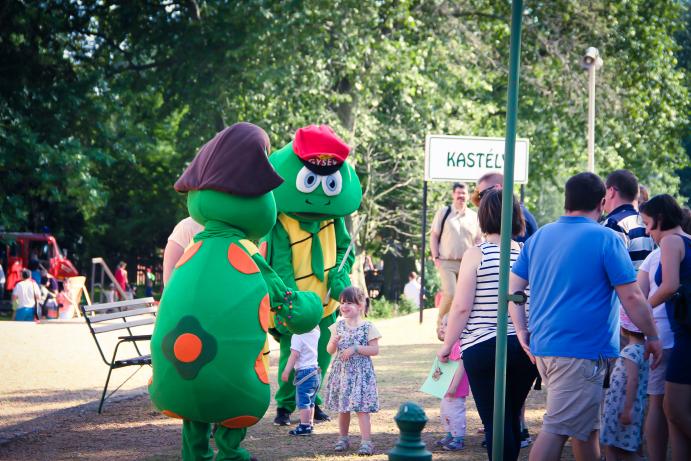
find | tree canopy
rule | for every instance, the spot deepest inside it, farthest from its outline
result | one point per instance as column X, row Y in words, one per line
column 102, row 104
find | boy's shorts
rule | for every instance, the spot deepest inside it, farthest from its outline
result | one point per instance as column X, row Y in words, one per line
column 306, row 389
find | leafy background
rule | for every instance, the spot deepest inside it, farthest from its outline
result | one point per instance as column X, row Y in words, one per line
column 103, row 103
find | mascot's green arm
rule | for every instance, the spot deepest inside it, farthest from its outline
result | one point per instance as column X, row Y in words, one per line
column 342, row 242
column 280, row 256
column 339, row 280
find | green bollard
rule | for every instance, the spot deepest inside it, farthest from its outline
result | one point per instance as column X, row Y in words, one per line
column 410, row 420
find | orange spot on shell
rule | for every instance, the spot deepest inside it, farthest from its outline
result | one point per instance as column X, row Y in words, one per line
column 241, row 260
column 263, row 247
column 264, row 308
column 187, row 255
column 187, row 347
column 239, row 422
column 171, row 414
column 261, row 369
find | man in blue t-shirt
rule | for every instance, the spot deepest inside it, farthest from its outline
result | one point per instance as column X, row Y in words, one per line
column 573, row 265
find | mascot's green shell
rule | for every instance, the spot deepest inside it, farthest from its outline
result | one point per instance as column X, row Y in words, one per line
column 209, row 341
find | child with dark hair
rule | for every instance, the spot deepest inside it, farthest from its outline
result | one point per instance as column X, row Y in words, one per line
column 352, row 384
column 624, row 408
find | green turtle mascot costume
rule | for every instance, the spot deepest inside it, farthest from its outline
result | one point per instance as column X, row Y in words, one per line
column 209, row 344
column 308, row 243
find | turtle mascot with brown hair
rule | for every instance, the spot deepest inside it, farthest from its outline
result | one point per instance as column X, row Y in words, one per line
column 309, row 242
column 209, row 344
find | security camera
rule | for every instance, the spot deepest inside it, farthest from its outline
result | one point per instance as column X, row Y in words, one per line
column 591, row 58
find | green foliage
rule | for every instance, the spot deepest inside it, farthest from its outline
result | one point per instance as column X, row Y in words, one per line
column 102, row 104
column 405, row 306
column 381, row 308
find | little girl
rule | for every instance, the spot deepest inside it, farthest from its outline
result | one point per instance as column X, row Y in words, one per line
column 453, row 404
column 624, row 409
column 352, row 385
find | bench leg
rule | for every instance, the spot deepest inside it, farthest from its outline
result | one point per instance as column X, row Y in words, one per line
column 105, row 389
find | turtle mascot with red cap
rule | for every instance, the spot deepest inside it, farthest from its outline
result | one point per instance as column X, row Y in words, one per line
column 309, row 241
column 209, row 344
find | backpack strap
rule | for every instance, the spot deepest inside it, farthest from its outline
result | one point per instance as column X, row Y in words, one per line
column 443, row 221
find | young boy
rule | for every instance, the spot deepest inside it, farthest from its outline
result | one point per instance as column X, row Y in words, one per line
column 303, row 358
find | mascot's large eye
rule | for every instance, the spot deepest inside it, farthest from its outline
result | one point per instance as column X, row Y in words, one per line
column 332, row 184
column 306, row 181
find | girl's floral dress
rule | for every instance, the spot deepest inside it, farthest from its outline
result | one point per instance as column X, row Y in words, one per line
column 352, row 384
column 612, row 432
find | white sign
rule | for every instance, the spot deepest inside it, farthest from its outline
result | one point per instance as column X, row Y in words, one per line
column 467, row 158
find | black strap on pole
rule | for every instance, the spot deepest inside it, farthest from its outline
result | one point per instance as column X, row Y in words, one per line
column 423, row 247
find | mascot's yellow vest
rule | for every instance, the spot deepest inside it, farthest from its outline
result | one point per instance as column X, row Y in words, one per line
column 301, row 248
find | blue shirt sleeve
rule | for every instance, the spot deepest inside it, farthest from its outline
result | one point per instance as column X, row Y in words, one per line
column 618, row 265
column 522, row 265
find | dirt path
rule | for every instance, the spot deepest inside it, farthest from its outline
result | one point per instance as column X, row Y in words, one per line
column 43, row 426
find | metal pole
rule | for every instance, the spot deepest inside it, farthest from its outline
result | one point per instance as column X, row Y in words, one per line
column 423, row 248
column 506, row 214
column 591, row 118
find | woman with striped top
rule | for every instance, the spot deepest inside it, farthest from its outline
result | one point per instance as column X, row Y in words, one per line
column 473, row 318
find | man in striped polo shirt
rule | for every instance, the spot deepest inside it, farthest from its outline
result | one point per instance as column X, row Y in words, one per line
column 622, row 216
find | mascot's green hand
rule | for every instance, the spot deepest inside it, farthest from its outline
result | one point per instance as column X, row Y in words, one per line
column 338, row 281
column 301, row 312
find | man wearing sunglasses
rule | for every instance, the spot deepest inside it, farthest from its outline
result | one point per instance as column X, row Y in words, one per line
column 495, row 180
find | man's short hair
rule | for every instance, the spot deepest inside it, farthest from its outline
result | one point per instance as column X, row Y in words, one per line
column 583, row 192
column 625, row 183
column 26, row 273
column 489, row 214
column 458, row 185
column 493, row 177
column 664, row 211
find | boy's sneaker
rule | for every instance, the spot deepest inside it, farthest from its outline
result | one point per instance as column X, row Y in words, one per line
column 282, row 417
column 444, row 440
column 320, row 416
column 342, row 445
column 301, row 429
column 366, row 448
column 526, row 440
column 455, row 444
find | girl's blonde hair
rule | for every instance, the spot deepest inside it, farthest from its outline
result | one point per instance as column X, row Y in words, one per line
column 355, row 295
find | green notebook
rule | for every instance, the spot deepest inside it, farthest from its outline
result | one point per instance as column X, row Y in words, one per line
column 439, row 378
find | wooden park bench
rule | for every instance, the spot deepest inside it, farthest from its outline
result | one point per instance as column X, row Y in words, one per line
column 111, row 318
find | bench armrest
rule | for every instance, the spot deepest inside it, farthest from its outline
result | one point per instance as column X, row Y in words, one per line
column 135, row 338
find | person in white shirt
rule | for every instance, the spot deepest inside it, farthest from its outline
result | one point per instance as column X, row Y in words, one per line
column 411, row 290
column 179, row 240
column 303, row 358
column 25, row 297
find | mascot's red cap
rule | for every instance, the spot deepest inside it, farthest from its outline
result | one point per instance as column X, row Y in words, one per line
column 235, row 162
column 320, row 149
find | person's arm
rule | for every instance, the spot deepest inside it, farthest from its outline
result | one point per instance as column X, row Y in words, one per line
column 371, row 349
column 434, row 235
column 643, row 282
column 625, row 417
column 463, row 299
column 638, row 310
column 294, row 355
column 456, row 380
column 671, row 251
column 171, row 255
column 332, row 345
column 517, row 313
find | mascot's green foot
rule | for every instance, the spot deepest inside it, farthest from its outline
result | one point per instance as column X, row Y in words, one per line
column 282, row 417
column 196, row 446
